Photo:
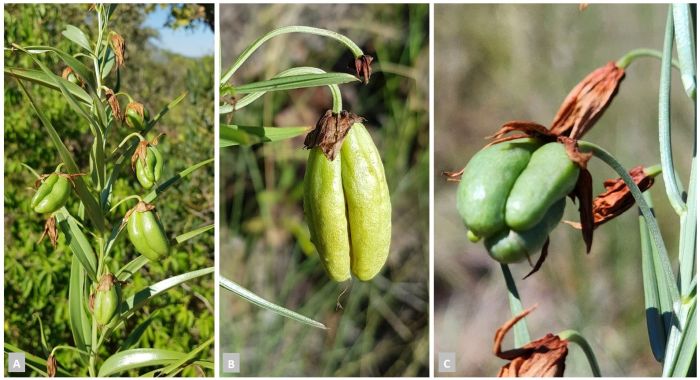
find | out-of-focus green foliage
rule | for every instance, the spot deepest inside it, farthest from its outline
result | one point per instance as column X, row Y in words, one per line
column 36, row 275
column 382, row 327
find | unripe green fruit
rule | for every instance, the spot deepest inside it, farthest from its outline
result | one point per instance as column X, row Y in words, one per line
column 368, row 203
column 136, row 116
column 487, row 181
column 147, row 235
column 510, row 246
column 348, row 207
column 148, row 173
column 549, row 176
column 324, row 207
column 52, row 194
column 106, row 300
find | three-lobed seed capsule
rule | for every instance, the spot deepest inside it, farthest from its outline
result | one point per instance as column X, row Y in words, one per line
column 146, row 233
column 348, row 207
column 513, row 195
column 148, row 172
column 52, row 194
column 106, row 301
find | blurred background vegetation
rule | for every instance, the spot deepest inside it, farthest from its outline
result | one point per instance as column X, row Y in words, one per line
column 382, row 327
column 36, row 275
column 495, row 63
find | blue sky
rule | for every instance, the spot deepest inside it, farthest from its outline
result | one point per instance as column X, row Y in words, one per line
column 191, row 43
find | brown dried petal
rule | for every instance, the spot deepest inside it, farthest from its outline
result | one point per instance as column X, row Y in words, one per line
column 330, row 131
column 584, row 192
column 363, row 67
column 544, row 357
column 455, row 176
column 114, row 104
column 140, row 207
column 51, row 231
column 51, row 366
column 580, row 158
column 587, row 101
column 617, row 198
column 106, row 282
column 139, row 153
column 119, row 47
column 66, row 72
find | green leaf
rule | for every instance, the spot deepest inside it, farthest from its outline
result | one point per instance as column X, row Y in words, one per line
column 49, row 81
column 76, row 35
column 91, row 206
column 685, row 46
column 296, row 81
column 231, row 135
column 137, row 358
column 78, row 317
column 78, row 67
column 689, row 222
column 78, row 243
column 683, row 343
column 265, row 304
column 520, row 331
column 107, row 62
column 132, row 267
column 189, row 235
column 654, row 309
column 134, row 302
column 42, row 335
column 178, row 365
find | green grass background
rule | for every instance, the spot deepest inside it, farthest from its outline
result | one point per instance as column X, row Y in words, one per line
column 382, row 328
column 495, row 63
column 36, row 275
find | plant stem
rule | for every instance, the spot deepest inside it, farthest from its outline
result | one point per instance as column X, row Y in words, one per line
column 520, row 331
column 606, row 157
column 632, row 56
column 575, row 337
column 669, row 174
column 356, row 51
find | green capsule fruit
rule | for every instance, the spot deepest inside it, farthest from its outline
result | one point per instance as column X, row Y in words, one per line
column 136, row 116
column 147, row 234
column 324, row 207
column 486, row 182
column 368, row 203
column 52, row 194
column 549, row 176
column 148, row 173
column 106, row 300
column 509, row 246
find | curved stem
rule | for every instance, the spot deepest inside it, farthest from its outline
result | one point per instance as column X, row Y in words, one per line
column 58, row 168
column 335, row 89
column 124, row 200
column 130, row 135
column 669, row 174
column 67, row 347
column 606, row 157
column 356, row 51
column 575, row 337
column 632, row 56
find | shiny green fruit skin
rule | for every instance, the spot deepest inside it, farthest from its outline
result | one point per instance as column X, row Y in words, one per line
column 147, row 235
column 52, row 194
column 509, row 246
column 105, row 305
column 149, row 173
column 324, row 207
column 134, row 120
column 368, row 203
column 487, row 181
column 549, row 176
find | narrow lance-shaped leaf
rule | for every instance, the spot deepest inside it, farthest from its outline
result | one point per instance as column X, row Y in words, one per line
column 296, row 81
column 192, row 234
column 685, row 42
column 232, row 135
column 49, row 81
column 137, row 358
column 79, row 320
column 265, row 304
column 78, row 243
column 76, row 35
